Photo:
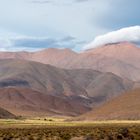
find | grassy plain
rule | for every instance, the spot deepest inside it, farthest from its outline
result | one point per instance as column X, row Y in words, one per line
column 60, row 129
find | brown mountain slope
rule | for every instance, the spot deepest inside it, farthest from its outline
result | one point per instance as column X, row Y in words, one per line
column 108, row 85
column 56, row 81
column 107, row 64
column 4, row 114
column 124, row 107
column 100, row 87
column 27, row 102
column 40, row 77
column 81, row 88
column 123, row 51
column 53, row 56
column 121, row 59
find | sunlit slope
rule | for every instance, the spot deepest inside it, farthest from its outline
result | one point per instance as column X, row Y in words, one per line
column 124, row 107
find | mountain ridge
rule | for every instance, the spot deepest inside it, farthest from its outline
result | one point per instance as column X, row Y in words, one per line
column 120, row 59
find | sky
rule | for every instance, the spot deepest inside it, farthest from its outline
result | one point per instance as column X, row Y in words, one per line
column 32, row 25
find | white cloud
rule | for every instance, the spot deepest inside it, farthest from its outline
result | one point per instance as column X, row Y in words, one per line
column 131, row 34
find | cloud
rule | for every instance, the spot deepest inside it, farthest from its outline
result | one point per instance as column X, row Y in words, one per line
column 41, row 1
column 56, row 2
column 83, row 19
column 130, row 34
column 29, row 43
column 68, row 38
column 82, row 0
column 33, row 42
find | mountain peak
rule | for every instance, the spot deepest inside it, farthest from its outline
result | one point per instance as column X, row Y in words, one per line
column 123, row 44
column 113, row 48
column 118, row 43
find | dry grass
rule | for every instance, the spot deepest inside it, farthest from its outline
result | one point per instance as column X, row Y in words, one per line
column 52, row 121
column 59, row 129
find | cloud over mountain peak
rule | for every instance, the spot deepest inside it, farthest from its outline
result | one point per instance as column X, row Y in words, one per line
column 130, row 34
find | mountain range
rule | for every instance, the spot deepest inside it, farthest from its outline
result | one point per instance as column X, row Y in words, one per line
column 64, row 82
column 32, row 86
column 120, row 58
